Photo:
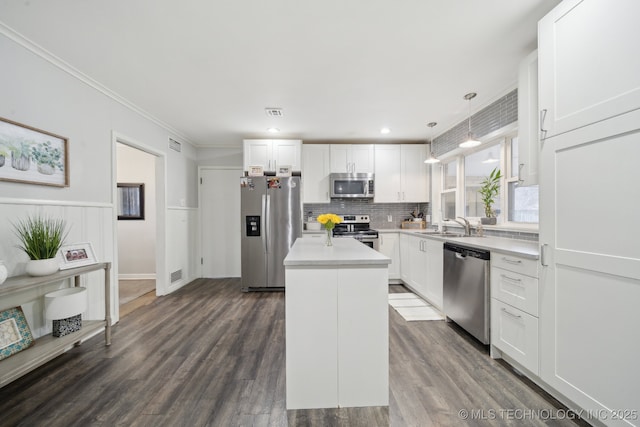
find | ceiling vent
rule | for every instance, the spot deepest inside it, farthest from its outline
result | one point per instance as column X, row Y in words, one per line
column 175, row 145
column 274, row 112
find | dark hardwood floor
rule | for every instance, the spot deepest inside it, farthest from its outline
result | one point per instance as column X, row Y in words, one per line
column 210, row 355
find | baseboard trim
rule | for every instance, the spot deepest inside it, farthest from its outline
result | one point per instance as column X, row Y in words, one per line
column 149, row 276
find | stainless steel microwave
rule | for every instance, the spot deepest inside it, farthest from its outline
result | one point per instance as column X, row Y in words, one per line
column 352, row 185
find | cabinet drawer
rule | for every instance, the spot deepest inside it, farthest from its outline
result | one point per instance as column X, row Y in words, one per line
column 515, row 333
column 515, row 289
column 515, row 263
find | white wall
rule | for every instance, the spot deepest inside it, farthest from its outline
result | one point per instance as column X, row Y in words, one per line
column 40, row 91
column 221, row 156
column 137, row 238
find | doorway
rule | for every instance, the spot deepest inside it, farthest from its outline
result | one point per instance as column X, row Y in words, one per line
column 139, row 237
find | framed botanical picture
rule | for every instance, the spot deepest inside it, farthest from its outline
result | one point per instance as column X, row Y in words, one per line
column 76, row 255
column 32, row 156
column 130, row 201
column 15, row 334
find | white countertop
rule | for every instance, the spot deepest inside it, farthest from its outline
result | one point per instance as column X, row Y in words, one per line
column 314, row 252
column 524, row 248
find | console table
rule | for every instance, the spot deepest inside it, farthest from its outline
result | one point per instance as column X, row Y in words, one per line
column 48, row 347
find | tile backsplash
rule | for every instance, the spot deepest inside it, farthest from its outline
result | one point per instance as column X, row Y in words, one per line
column 378, row 212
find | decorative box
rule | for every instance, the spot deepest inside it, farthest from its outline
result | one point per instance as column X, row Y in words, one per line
column 62, row 327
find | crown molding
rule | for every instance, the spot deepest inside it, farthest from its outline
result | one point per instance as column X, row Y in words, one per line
column 58, row 62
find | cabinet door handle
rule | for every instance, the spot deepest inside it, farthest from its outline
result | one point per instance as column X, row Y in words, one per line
column 381, row 240
column 515, row 316
column 399, row 196
column 543, row 254
column 543, row 117
column 511, row 261
column 403, row 198
column 520, row 166
column 511, row 279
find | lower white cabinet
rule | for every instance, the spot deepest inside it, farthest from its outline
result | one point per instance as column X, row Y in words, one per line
column 515, row 333
column 421, row 262
column 514, row 310
column 435, row 261
column 389, row 245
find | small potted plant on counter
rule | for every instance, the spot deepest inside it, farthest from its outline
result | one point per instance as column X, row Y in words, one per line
column 41, row 238
column 488, row 191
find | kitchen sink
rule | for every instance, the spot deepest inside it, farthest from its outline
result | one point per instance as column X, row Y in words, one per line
column 442, row 233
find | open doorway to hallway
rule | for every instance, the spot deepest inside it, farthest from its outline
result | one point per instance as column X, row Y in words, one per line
column 136, row 233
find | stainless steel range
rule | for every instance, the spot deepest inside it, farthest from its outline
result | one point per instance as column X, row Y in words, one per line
column 357, row 227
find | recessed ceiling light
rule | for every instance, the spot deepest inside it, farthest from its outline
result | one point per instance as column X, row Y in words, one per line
column 385, row 130
column 273, row 130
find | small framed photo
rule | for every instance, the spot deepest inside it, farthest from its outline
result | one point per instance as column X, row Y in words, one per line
column 15, row 334
column 256, row 171
column 77, row 255
column 284, row 170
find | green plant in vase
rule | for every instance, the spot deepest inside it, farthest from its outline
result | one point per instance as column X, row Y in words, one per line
column 47, row 158
column 489, row 191
column 41, row 238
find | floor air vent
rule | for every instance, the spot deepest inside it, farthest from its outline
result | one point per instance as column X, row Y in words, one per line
column 176, row 275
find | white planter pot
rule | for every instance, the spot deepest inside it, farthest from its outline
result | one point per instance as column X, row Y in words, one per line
column 42, row 267
column 65, row 303
column 3, row 272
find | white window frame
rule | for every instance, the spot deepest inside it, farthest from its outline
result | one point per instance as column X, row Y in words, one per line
column 503, row 137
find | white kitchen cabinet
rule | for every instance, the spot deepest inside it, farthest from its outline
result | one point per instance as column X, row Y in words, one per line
column 389, row 245
column 528, row 146
column 401, row 174
column 514, row 309
column 588, row 63
column 515, row 333
column 273, row 153
column 590, row 276
column 435, row 261
column 316, row 167
column 352, row 158
column 405, row 250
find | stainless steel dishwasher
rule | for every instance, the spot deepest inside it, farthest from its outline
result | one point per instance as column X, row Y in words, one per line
column 466, row 289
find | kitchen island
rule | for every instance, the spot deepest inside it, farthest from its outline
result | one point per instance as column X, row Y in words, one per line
column 337, row 328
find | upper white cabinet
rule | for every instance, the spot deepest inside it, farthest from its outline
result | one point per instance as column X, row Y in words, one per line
column 352, row 158
column 588, row 68
column 316, row 166
column 528, row 120
column 273, row 153
column 401, row 174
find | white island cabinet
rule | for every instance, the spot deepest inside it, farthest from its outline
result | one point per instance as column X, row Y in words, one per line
column 337, row 325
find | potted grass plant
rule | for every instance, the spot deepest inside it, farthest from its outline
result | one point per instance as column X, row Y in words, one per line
column 489, row 191
column 41, row 238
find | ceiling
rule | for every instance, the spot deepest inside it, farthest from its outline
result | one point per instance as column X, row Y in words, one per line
column 339, row 69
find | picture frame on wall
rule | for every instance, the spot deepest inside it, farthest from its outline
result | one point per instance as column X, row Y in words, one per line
column 33, row 156
column 76, row 255
column 130, row 201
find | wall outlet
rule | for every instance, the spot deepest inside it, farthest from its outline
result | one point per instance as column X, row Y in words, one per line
column 389, row 218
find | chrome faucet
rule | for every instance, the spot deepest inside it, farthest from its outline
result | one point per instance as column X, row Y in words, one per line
column 465, row 224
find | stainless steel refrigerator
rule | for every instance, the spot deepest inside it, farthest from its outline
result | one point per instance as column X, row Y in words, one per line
column 271, row 212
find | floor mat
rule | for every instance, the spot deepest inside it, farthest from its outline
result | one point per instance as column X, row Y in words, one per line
column 413, row 308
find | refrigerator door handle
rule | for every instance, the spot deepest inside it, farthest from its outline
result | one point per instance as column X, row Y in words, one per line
column 263, row 221
column 268, row 221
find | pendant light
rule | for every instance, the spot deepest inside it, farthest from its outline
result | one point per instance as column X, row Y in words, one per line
column 471, row 140
column 431, row 159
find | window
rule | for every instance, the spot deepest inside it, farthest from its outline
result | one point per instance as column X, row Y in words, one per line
column 449, row 185
column 477, row 166
column 465, row 172
column 522, row 201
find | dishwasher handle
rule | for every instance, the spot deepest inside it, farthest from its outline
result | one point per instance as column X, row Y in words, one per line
column 460, row 256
